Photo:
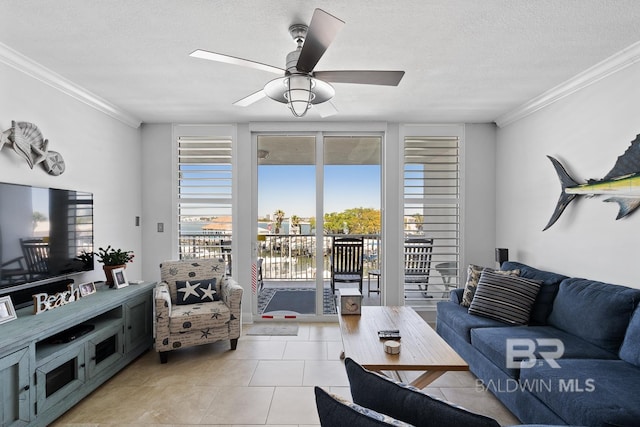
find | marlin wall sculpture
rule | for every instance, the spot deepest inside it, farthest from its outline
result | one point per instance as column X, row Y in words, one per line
column 622, row 184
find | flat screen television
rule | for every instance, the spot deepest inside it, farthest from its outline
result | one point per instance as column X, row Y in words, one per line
column 46, row 234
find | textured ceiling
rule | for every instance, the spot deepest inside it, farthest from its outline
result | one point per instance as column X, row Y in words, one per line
column 465, row 61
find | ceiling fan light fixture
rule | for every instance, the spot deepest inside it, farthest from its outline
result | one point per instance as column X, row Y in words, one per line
column 299, row 94
column 299, row 91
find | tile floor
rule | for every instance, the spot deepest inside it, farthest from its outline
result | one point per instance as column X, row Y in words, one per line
column 268, row 380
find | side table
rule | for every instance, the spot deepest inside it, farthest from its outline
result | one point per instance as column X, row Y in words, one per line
column 377, row 274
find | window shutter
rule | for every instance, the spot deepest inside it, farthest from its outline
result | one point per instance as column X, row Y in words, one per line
column 204, row 197
column 432, row 212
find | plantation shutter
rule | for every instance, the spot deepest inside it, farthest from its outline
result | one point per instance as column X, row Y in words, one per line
column 432, row 214
column 80, row 223
column 205, row 197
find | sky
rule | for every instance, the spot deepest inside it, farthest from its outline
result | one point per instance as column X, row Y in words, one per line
column 292, row 189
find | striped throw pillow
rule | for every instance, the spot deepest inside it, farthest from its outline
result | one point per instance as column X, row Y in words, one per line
column 505, row 298
column 473, row 277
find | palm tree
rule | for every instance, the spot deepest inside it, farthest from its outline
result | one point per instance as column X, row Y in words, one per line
column 279, row 214
column 38, row 217
column 295, row 224
column 418, row 220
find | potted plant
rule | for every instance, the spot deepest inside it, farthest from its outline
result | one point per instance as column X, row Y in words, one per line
column 113, row 258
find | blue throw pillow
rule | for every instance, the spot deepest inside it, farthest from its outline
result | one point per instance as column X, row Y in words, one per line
column 407, row 403
column 195, row 291
column 336, row 412
column 630, row 350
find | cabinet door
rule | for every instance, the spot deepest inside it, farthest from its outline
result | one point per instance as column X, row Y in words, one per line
column 105, row 349
column 58, row 378
column 138, row 321
column 14, row 388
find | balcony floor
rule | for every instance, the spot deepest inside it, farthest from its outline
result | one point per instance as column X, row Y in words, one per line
column 269, row 285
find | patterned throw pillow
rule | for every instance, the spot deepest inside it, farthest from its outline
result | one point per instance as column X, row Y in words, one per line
column 473, row 276
column 192, row 292
column 335, row 411
column 505, row 298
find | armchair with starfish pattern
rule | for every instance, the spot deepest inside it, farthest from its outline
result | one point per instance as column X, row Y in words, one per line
column 195, row 303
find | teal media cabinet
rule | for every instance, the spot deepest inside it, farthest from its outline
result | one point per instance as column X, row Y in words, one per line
column 43, row 372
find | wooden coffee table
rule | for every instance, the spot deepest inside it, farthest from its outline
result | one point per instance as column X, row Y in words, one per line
column 422, row 349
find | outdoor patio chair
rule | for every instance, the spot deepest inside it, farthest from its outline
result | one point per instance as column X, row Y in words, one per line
column 347, row 261
column 417, row 262
column 36, row 256
column 12, row 271
column 195, row 303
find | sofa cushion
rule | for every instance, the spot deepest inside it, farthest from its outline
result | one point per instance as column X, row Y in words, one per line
column 204, row 315
column 195, row 291
column 459, row 320
column 492, row 343
column 597, row 312
column 473, row 277
column 407, row 403
column 630, row 349
column 588, row 392
column 550, row 282
column 504, row 297
column 335, row 411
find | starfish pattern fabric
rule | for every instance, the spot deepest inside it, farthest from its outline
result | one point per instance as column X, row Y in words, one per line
column 208, row 293
column 202, row 322
column 196, row 291
column 188, row 290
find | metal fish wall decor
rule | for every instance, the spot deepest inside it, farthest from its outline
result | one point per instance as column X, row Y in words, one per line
column 621, row 184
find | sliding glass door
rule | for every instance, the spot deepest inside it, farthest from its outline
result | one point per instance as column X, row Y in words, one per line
column 311, row 189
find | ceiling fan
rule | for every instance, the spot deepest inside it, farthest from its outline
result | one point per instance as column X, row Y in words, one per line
column 300, row 85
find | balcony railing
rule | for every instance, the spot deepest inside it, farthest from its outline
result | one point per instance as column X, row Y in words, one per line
column 289, row 257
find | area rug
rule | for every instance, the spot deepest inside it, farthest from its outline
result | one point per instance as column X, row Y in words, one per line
column 296, row 300
column 274, row 329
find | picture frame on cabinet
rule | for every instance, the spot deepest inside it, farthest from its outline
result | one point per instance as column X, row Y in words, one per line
column 119, row 278
column 7, row 311
column 87, row 289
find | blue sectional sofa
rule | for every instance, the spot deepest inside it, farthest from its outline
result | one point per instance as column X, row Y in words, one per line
column 593, row 381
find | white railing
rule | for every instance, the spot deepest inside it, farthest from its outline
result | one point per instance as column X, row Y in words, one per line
column 287, row 257
column 292, row 256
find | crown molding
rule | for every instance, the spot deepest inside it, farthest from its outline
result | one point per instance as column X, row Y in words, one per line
column 31, row 68
column 611, row 65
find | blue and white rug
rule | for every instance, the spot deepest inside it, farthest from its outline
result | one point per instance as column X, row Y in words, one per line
column 293, row 300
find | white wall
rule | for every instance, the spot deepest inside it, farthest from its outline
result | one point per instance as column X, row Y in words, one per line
column 157, row 198
column 586, row 131
column 479, row 208
column 102, row 155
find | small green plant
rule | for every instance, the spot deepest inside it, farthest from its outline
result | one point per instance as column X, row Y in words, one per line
column 112, row 256
column 86, row 258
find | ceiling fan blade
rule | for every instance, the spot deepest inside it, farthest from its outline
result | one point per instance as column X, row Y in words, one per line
column 367, row 77
column 248, row 100
column 326, row 109
column 322, row 30
column 212, row 56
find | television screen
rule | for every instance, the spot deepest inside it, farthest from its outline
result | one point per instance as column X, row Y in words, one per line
column 44, row 233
